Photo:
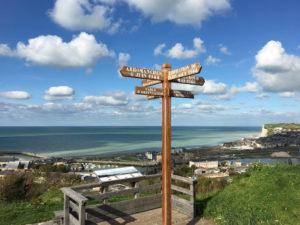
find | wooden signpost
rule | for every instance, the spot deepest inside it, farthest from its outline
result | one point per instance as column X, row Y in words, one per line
column 166, row 76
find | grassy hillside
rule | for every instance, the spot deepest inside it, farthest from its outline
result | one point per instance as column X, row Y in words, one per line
column 264, row 195
column 270, row 127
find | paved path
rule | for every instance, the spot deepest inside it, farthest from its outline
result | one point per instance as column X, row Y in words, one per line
column 153, row 217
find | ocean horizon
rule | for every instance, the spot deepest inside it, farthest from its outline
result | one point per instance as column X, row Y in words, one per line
column 91, row 140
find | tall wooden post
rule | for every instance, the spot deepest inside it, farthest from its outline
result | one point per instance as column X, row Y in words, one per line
column 166, row 147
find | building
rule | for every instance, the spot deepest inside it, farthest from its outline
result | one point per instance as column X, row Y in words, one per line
column 237, row 163
column 150, row 155
column 4, row 160
column 17, row 165
column 158, row 158
column 205, row 165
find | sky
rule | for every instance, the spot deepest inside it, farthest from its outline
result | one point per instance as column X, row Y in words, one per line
column 60, row 61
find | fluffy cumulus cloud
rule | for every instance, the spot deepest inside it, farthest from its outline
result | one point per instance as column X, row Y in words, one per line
column 224, row 50
column 178, row 51
column 85, row 15
column 82, row 51
column 116, row 98
column 191, row 12
column 19, row 95
column 59, row 93
column 209, row 88
column 276, row 70
column 211, row 60
column 249, row 87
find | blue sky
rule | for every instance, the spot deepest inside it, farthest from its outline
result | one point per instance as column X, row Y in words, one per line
column 59, row 61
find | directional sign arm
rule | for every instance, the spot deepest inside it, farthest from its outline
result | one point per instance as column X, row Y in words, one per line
column 185, row 71
column 141, row 73
column 146, row 83
column 182, row 94
column 149, row 91
column 192, row 80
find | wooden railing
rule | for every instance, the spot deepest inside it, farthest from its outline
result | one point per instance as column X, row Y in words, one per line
column 76, row 199
column 180, row 204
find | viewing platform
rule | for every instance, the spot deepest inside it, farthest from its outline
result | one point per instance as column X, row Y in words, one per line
column 143, row 208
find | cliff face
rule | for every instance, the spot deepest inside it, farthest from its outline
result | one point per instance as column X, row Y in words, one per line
column 264, row 132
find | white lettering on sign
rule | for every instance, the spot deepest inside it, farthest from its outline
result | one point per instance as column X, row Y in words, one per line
column 146, row 83
column 182, row 94
column 128, row 71
column 148, row 91
column 190, row 80
column 185, row 71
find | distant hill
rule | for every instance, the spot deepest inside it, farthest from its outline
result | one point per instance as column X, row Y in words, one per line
column 280, row 127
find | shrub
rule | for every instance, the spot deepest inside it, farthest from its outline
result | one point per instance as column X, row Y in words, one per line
column 17, row 187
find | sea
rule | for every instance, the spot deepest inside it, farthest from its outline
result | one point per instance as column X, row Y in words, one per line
column 77, row 141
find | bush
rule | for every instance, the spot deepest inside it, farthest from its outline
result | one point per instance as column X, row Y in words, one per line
column 207, row 185
column 17, row 187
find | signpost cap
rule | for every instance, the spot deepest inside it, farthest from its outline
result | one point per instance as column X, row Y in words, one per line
column 166, row 65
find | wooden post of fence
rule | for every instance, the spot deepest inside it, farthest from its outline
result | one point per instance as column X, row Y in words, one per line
column 137, row 194
column 66, row 210
column 193, row 196
column 105, row 189
column 166, row 147
column 81, row 213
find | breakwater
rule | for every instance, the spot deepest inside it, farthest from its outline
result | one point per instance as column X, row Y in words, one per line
column 30, row 154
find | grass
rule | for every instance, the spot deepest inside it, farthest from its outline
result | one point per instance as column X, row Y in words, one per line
column 270, row 127
column 38, row 210
column 265, row 195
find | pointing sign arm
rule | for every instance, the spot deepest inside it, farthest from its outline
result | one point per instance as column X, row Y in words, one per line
column 141, row 73
column 185, row 71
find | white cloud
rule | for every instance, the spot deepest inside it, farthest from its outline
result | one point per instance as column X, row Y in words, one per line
column 84, row 15
column 211, row 60
column 82, row 51
column 157, row 67
column 5, row 50
column 53, row 108
column 276, row 70
column 249, row 87
column 138, row 98
column 191, row 12
column 215, row 108
column 185, row 106
column 123, row 59
column 262, row 96
column 159, row 48
column 59, row 93
column 209, row 88
column 224, row 49
column 116, row 98
column 20, row 95
column 287, row 94
column 180, row 52
column 225, row 97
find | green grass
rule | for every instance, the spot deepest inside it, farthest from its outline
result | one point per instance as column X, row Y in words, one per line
column 267, row 195
column 41, row 209
column 270, row 127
